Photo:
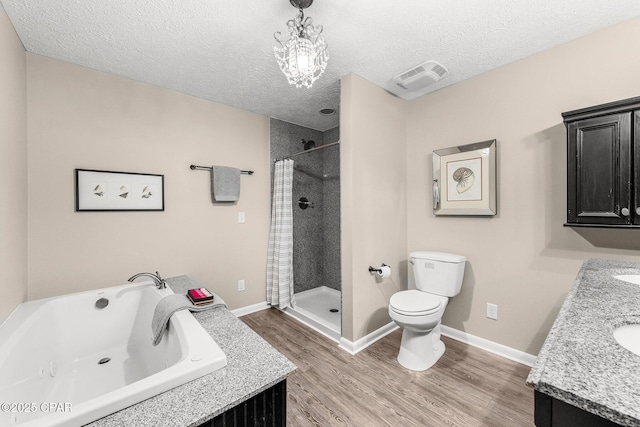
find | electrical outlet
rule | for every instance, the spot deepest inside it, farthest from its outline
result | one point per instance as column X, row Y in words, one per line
column 241, row 218
column 492, row 311
column 240, row 285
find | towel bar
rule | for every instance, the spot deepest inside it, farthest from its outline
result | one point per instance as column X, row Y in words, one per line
column 209, row 168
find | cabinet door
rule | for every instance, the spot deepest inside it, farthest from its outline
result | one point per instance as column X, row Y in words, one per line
column 599, row 170
column 635, row 184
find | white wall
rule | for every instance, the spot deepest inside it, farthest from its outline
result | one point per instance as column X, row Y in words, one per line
column 13, row 168
column 81, row 118
column 524, row 260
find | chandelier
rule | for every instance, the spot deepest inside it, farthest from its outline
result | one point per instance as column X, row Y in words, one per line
column 301, row 53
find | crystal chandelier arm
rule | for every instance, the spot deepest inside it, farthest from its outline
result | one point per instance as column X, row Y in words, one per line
column 277, row 35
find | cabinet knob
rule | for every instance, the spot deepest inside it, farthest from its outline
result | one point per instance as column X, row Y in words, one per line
column 625, row 212
column 638, row 210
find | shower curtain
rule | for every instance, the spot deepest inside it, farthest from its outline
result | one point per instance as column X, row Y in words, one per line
column 280, row 246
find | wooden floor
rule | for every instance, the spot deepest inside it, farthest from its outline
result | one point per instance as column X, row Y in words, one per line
column 466, row 387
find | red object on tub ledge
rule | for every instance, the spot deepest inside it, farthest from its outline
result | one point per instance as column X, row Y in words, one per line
column 200, row 295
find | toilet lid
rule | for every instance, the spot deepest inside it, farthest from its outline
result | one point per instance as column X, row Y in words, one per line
column 415, row 303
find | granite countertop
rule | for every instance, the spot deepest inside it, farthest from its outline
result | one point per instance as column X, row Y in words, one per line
column 580, row 362
column 253, row 366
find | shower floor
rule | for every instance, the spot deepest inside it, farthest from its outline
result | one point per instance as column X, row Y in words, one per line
column 313, row 309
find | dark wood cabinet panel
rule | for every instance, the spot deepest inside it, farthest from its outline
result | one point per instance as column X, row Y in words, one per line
column 268, row 408
column 603, row 165
column 635, row 177
column 551, row 412
column 600, row 170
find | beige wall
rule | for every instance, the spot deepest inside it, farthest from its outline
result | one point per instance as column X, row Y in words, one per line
column 373, row 202
column 13, row 168
column 80, row 118
column 524, row 260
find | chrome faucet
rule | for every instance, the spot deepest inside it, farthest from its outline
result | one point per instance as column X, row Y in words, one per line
column 160, row 283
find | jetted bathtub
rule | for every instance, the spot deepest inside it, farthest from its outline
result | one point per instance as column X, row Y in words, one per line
column 66, row 362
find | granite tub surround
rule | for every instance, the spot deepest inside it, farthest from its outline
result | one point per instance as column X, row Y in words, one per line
column 253, row 366
column 580, row 362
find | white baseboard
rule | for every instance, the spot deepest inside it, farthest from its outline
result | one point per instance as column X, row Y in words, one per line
column 481, row 343
column 359, row 345
column 490, row 346
column 243, row 311
column 364, row 342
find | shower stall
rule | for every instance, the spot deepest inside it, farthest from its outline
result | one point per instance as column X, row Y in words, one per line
column 316, row 223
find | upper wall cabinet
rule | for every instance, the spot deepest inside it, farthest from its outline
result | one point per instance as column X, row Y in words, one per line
column 603, row 165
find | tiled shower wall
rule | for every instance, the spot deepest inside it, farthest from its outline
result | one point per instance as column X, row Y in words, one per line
column 316, row 230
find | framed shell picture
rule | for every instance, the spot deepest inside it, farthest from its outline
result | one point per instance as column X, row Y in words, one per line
column 464, row 180
column 98, row 191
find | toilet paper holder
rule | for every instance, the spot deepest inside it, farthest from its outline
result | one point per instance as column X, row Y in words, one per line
column 377, row 270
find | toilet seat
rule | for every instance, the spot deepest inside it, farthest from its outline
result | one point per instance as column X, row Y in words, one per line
column 415, row 303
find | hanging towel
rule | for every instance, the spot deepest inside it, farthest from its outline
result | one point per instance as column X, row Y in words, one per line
column 225, row 184
column 169, row 305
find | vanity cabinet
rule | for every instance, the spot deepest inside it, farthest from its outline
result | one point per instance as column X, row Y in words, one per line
column 552, row 412
column 603, row 165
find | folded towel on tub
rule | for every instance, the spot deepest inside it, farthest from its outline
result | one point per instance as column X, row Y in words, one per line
column 225, row 184
column 169, row 305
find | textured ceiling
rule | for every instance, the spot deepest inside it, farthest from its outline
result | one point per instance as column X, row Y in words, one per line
column 221, row 50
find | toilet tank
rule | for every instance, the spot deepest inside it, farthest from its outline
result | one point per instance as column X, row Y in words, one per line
column 438, row 272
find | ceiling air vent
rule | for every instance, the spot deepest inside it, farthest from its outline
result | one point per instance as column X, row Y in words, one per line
column 420, row 76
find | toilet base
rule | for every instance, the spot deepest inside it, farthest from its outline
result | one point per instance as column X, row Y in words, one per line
column 419, row 350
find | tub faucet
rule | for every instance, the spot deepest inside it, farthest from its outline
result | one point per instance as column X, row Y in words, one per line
column 160, row 283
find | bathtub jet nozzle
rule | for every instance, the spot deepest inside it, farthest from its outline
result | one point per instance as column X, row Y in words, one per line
column 102, row 303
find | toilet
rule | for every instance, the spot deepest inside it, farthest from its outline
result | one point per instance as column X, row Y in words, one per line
column 438, row 276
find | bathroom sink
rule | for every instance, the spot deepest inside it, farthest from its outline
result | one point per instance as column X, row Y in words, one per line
column 628, row 336
column 629, row 278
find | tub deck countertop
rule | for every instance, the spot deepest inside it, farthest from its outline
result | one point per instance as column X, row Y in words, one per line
column 253, row 366
column 580, row 362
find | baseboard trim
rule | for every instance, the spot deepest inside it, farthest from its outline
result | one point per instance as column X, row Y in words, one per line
column 243, row 311
column 353, row 348
column 490, row 346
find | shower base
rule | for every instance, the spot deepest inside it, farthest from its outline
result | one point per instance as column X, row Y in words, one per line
column 313, row 308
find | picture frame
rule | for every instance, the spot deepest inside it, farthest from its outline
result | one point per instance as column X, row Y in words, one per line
column 100, row 191
column 464, row 180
